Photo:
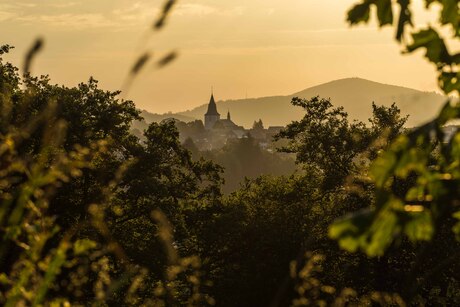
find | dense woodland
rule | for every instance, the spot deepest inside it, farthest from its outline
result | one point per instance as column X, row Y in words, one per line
column 92, row 214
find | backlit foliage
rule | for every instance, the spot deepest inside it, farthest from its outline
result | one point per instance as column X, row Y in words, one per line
column 425, row 161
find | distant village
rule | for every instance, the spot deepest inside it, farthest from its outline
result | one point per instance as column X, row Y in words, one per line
column 216, row 132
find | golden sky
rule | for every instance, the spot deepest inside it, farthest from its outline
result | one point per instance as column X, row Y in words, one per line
column 241, row 47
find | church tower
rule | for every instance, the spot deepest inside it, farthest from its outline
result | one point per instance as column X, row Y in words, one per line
column 212, row 116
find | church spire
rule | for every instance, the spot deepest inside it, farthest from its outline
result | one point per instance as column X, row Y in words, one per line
column 228, row 115
column 212, row 107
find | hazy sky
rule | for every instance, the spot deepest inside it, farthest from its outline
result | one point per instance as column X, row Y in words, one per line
column 241, row 47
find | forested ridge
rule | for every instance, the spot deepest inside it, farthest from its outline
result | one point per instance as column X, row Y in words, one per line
column 92, row 214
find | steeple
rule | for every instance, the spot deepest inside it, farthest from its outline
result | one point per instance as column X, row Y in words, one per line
column 228, row 115
column 212, row 108
column 211, row 116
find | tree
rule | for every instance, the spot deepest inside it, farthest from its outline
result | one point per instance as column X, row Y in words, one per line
column 325, row 142
column 426, row 210
column 78, row 199
column 258, row 125
column 253, row 236
column 387, row 122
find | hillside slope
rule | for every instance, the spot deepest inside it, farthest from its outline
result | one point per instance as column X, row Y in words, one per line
column 354, row 94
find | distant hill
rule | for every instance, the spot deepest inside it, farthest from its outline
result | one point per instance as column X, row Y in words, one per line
column 354, row 94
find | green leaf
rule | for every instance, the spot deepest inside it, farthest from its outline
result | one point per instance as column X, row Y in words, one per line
column 82, row 246
column 436, row 50
column 369, row 230
column 450, row 14
column 384, row 12
column 359, row 13
column 449, row 81
column 448, row 113
column 4, row 280
column 349, row 229
column 405, row 17
column 382, row 233
column 411, row 160
column 384, row 166
column 420, row 226
column 53, row 269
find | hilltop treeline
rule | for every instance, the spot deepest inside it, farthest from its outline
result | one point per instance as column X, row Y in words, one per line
column 92, row 214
